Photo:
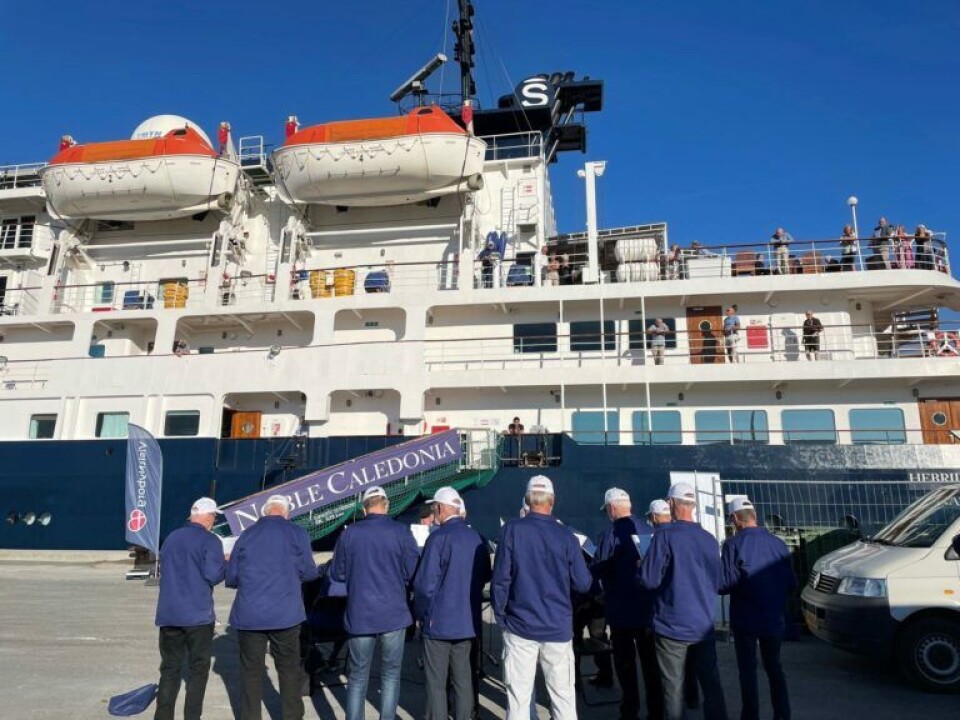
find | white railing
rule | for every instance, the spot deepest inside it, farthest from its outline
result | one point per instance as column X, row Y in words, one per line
column 513, row 146
column 373, row 279
column 20, row 176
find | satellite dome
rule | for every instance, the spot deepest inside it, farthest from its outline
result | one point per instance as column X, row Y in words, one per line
column 160, row 125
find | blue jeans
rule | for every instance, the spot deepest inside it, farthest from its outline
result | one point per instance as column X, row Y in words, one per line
column 360, row 648
column 746, row 647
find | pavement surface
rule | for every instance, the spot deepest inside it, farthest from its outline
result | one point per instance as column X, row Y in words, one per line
column 73, row 635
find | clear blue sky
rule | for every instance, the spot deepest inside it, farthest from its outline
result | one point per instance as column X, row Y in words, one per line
column 725, row 119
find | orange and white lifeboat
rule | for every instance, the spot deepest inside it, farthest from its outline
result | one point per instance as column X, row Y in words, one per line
column 168, row 169
column 384, row 161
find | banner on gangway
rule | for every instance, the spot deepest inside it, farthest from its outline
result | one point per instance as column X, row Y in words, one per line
column 144, row 489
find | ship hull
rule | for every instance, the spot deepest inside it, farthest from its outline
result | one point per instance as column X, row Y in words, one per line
column 80, row 484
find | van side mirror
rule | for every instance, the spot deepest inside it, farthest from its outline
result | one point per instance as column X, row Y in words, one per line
column 951, row 554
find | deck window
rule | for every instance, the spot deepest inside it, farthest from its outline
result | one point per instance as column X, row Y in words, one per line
column 588, row 427
column 736, row 427
column 112, row 424
column 104, row 293
column 42, row 427
column 665, row 430
column 17, row 232
column 877, row 426
column 535, row 337
column 585, row 336
column 809, row 426
column 182, row 423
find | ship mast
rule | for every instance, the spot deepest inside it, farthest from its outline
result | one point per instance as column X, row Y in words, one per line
column 465, row 49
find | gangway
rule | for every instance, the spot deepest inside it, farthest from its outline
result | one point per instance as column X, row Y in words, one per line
column 473, row 466
column 254, row 160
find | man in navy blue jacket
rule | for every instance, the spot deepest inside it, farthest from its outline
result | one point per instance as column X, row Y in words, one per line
column 191, row 564
column 629, row 608
column 758, row 575
column 268, row 565
column 448, row 591
column 683, row 566
column 538, row 566
column 376, row 558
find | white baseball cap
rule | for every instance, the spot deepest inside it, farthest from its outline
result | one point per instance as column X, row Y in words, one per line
column 659, row 507
column 447, row 496
column 374, row 492
column 540, row 483
column 614, row 494
column 204, row 506
column 682, row 491
column 278, row 500
column 740, row 503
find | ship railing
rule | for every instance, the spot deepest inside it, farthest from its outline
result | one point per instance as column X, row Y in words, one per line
column 738, row 435
column 21, row 375
column 246, row 289
column 251, row 151
column 809, row 257
column 512, row 146
column 20, row 176
column 20, row 301
column 373, row 278
column 757, row 342
column 140, row 295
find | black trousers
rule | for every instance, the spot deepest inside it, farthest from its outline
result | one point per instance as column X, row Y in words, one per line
column 443, row 658
column 672, row 658
column 746, row 647
column 285, row 648
column 628, row 643
column 178, row 644
column 591, row 615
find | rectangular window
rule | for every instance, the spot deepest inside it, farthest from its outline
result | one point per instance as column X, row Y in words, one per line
column 535, row 337
column 588, row 428
column 104, row 293
column 182, row 423
column 809, row 426
column 112, row 424
column 585, row 336
column 17, row 232
column 665, row 431
column 639, row 340
column 731, row 426
column 877, row 426
column 42, row 427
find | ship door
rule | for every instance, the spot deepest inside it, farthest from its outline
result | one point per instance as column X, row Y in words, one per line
column 245, row 425
column 705, row 334
column 939, row 420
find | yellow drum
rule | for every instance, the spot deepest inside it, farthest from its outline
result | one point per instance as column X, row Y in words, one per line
column 175, row 295
column 319, row 284
column 344, row 280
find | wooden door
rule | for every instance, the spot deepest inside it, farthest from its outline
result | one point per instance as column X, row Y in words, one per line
column 245, row 425
column 705, row 334
column 937, row 419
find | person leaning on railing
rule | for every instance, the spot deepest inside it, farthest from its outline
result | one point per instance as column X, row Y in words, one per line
column 848, row 249
column 780, row 241
column 923, row 251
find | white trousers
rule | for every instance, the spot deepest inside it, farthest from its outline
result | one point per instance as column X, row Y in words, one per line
column 520, row 670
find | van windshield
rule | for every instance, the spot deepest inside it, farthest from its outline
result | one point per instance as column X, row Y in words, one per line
column 924, row 521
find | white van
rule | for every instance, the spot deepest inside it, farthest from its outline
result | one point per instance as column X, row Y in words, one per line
column 897, row 593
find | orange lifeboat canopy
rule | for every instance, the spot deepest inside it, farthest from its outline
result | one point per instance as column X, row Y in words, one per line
column 179, row 141
column 418, row 121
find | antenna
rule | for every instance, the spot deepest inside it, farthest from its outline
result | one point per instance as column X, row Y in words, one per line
column 415, row 84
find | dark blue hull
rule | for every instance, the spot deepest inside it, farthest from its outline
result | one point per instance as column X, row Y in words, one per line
column 81, row 483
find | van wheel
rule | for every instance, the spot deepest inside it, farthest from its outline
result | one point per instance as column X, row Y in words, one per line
column 929, row 654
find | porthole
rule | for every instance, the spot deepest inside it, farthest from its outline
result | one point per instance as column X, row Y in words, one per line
column 13, row 518
column 29, row 518
column 45, row 519
column 705, row 326
column 939, row 419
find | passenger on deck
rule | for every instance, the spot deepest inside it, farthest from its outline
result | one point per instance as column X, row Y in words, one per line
column 731, row 334
column 881, row 242
column 923, row 250
column 848, row 248
column 674, row 263
column 903, row 249
column 488, row 258
column 515, row 428
column 698, row 250
column 566, row 270
column 540, row 261
column 553, row 271
column 658, row 332
column 812, row 329
column 780, row 241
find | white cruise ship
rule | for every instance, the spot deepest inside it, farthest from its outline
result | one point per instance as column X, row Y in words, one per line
column 268, row 310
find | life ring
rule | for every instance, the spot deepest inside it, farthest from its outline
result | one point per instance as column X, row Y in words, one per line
column 946, row 344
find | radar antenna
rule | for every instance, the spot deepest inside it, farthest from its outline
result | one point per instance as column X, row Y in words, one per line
column 414, row 86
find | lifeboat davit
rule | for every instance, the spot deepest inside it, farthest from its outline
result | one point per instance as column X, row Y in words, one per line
column 168, row 169
column 384, row 161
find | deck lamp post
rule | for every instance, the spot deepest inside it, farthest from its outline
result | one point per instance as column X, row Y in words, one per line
column 852, row 202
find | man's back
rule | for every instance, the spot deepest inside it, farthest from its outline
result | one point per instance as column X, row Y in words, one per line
column 683, row 564
column 376, row 558
column 538, row 565
column 757, row 573
column 448, row 588
column 267, row 566
column 191, row 564
column 627, row 604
